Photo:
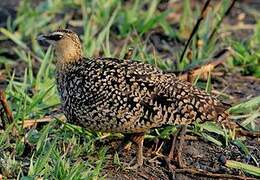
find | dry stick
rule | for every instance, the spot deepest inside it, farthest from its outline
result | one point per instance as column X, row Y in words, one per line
column 7, row 110
column 196, row 27
column 221, row 20
column 247, row 133
column 213, row 175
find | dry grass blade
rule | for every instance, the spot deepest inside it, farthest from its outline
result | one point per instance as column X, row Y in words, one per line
column 33, row 122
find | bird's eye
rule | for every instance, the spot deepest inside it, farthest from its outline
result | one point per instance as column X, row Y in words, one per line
column 55, row 37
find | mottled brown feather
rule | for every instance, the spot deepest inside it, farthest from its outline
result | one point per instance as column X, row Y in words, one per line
column 113, row 95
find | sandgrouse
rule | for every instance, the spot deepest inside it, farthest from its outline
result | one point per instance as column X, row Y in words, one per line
column 113, row 95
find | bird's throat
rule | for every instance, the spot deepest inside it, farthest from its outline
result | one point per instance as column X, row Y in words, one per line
column 67, row 56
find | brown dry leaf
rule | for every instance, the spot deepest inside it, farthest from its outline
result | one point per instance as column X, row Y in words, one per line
column 6, row 107
column 203, row 71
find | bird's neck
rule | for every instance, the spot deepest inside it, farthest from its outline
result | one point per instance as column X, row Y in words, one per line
column 65, row 56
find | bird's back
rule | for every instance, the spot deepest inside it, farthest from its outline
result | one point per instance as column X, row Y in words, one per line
column 113, row 95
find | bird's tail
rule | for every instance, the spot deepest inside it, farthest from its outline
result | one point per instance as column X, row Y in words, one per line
column 224, row 119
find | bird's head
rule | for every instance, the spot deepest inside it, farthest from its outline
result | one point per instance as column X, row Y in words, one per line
column 66, row 45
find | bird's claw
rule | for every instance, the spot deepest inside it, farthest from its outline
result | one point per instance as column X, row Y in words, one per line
column 134, row 167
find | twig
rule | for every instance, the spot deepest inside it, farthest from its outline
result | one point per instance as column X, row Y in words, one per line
column 213, row 175
column 244, row 132
column 6, row 108
column 196, row 27
column 221, row 20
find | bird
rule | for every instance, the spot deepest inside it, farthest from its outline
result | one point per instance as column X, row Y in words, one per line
column 126, row 96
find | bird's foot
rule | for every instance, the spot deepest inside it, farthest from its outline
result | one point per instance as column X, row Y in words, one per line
column 172, row 156
column 170, row 164
column 134, row 167
column 180, row 162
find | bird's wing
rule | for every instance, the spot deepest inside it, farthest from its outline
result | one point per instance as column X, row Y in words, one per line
column 172, row 101
column 156, row 98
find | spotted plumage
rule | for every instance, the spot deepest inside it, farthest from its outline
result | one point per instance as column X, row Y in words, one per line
column 112, row 95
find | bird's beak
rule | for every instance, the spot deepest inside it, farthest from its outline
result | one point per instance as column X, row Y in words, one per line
column 43, row 40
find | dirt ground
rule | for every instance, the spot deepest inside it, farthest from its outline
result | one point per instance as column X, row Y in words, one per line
column 196, row 155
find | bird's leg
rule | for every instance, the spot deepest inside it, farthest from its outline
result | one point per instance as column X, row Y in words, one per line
column 170, row 156
column 179, row 151
column 138, row 138
column 171, row 153
column 181, row 133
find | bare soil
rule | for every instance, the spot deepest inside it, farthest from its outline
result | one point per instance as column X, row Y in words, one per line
column 197, row 154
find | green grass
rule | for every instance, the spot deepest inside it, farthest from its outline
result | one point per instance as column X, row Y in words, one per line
column 57, row 150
